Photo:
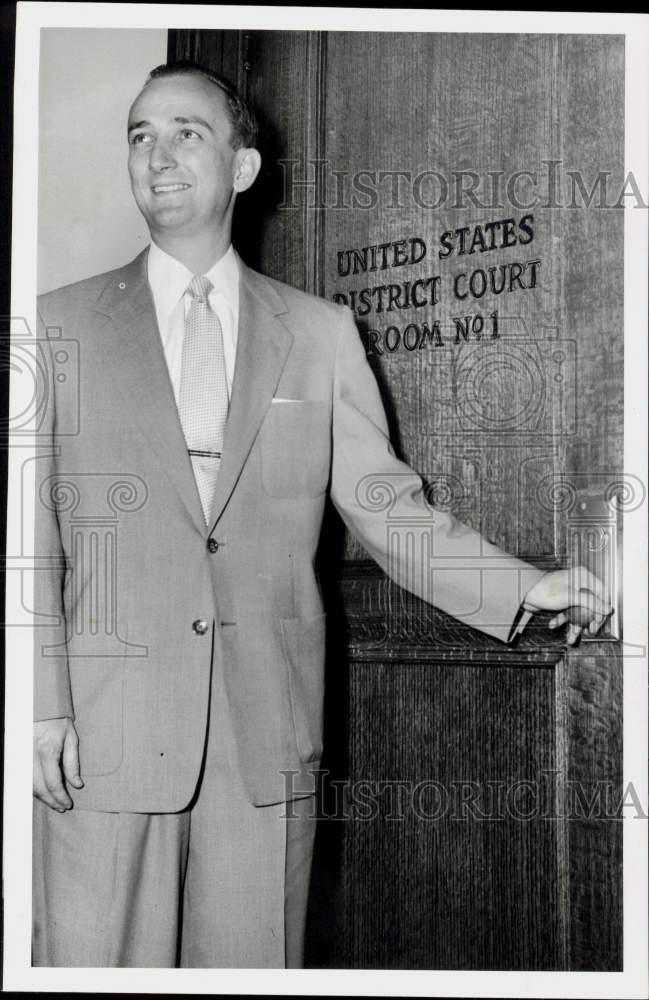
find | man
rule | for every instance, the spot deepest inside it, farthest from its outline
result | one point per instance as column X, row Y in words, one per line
column 218, row 409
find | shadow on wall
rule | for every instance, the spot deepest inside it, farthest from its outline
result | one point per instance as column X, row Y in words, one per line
column 261, row 202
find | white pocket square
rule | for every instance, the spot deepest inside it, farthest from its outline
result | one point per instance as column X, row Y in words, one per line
column 279, row 399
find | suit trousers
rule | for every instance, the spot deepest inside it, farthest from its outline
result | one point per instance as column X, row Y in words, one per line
column 222, row 884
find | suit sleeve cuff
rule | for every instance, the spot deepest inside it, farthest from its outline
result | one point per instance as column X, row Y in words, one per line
column 52, row 695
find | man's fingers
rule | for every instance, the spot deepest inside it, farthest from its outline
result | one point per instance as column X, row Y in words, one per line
column 578, row 618
column 588, row 591
column 592, row 603
column 596, row 624
column 53, row 780
column 574, row 631
column 583, row 579
column 586, row 607
column 71, row 759
column 41, row 791
column 56, row 760
column 587, row 602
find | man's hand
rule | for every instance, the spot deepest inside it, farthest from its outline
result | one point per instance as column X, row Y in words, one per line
column 577, row 595
column 56, row 761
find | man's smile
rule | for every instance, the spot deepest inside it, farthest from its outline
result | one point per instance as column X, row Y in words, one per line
column 168, row 188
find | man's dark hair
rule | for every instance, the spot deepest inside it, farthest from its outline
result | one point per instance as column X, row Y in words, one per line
column 242, row 119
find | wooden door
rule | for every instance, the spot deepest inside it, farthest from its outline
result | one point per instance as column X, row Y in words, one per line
column 499, row 357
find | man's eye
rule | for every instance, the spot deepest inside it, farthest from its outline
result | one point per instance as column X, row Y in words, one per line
column 138, row 138
column 189, row 133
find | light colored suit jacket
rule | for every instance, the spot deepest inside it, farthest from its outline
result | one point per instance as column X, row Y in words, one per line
column 125, row 614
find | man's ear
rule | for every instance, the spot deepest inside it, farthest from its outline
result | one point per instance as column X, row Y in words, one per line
column 247, row 166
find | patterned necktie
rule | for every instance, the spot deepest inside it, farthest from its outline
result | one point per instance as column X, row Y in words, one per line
column 203, row 394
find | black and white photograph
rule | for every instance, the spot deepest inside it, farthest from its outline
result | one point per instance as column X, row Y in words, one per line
column 326, row 561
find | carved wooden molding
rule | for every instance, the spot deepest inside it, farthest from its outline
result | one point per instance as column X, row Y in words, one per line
column 314, row 222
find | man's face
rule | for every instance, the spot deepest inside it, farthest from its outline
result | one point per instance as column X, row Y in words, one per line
column 180, row 161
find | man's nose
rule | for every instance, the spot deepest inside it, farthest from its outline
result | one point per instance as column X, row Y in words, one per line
column 162, row 157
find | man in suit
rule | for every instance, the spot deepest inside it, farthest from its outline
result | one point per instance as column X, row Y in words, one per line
column 218, row 409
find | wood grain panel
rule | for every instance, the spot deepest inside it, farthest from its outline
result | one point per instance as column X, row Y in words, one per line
column 471, row 892
column 592, row 116
column 480, row 417
column 224, row 52
column 589, row 758
column 471, row 413
column 535, row 742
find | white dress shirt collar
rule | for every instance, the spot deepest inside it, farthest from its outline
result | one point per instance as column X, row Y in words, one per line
column 169, row 279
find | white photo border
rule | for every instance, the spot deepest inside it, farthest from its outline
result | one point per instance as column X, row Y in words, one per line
column 633, row 981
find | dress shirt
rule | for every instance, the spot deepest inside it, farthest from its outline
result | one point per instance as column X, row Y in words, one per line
column 169, row 279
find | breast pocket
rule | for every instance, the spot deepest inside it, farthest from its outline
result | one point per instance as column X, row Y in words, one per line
column 295, row 441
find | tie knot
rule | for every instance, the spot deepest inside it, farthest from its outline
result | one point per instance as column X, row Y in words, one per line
column 199, row 287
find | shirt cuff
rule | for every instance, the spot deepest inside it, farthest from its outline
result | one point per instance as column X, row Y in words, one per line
column 521, row 618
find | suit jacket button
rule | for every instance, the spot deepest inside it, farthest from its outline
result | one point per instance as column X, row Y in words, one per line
column 212, row 545
column 200, row 626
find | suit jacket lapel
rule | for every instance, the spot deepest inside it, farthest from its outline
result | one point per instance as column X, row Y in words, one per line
column 136, row 357
column 263, row 344
column 139, row 369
